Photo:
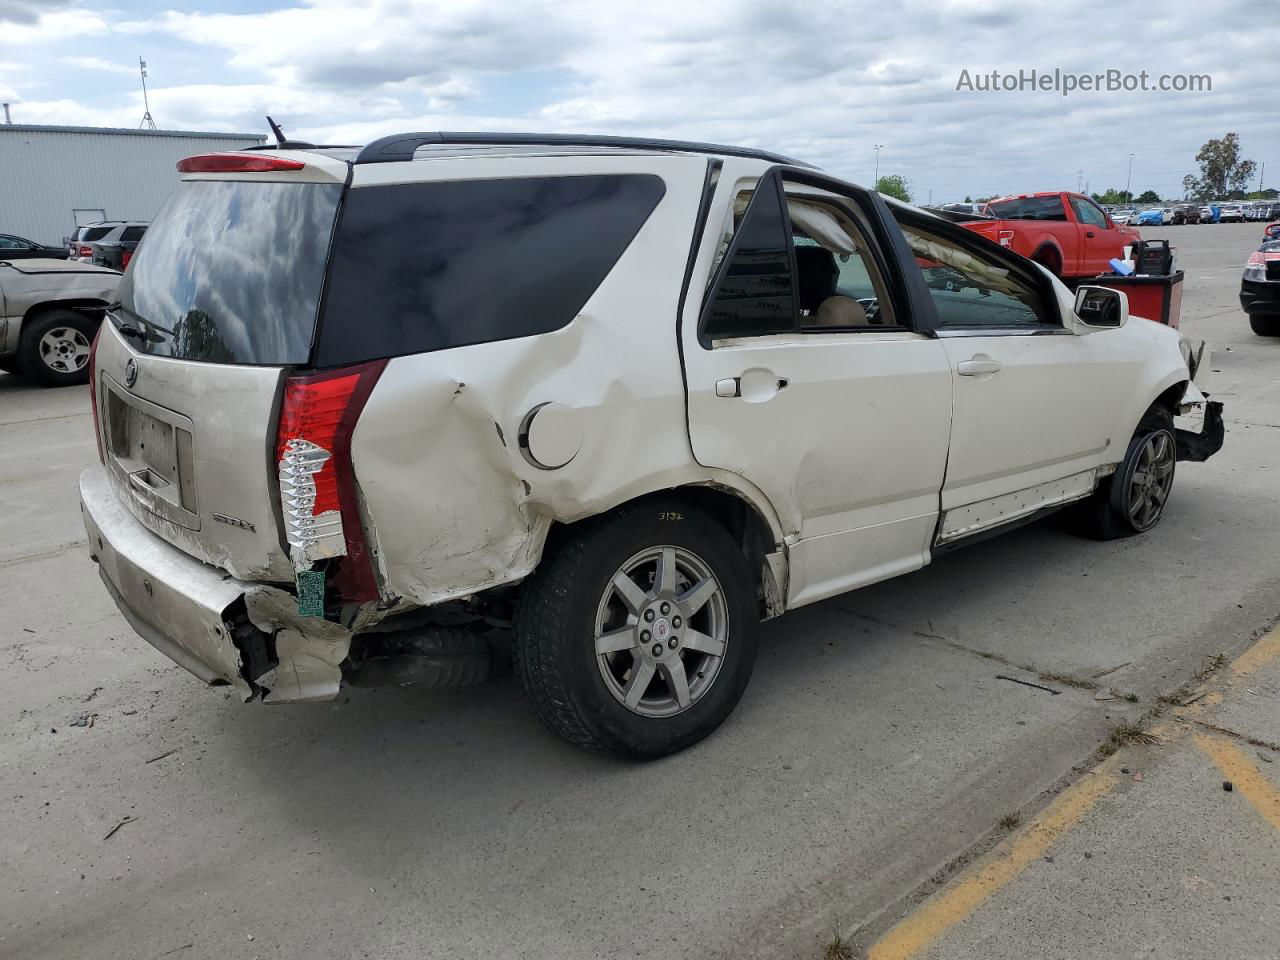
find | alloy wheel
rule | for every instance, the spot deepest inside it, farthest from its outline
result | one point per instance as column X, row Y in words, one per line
column 660, row 631
column 64, row 350
column 1151, row 480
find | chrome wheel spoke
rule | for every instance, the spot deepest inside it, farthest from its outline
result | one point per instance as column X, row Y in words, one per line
column 1141, row 476
column 641, row 676
column 629, row 591
column 616, row 641
column 693, row 640
column 677, row 681
column 696, row 597
column 664, row 577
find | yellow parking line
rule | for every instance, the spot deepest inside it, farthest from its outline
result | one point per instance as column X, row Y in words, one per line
column 1262, row 652
column 953, row 905
column 1244, row 776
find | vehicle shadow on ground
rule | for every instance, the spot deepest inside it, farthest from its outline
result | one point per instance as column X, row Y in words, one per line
column 386, row 757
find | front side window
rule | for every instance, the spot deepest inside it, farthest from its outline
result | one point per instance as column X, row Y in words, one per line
column 1089, row 214
column 1030, row 208
column 11, row 243
column 972, row 290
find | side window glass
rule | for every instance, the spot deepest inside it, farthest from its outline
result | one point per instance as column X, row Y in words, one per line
column 132, row 234
column 837, row 282
column 756, row 293
column 1030, row 208
column 8, row 243
column 1087, row 213
column 971, row 290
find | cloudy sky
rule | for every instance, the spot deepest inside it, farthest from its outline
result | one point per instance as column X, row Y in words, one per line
column 820, row 81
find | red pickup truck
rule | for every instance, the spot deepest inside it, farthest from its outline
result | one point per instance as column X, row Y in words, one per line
column 1066, row 232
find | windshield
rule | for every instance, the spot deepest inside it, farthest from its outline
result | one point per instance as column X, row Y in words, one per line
column 231, row 272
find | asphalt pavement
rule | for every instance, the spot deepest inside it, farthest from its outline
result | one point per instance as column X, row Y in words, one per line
column 866, row 770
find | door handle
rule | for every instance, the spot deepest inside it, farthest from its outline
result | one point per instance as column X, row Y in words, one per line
column 1089, row 234
column 755, row 385
column 978, row 367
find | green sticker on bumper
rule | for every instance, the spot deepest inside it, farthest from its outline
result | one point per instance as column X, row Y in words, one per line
column 310, row 593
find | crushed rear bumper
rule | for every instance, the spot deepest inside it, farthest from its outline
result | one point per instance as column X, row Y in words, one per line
column 222, row 630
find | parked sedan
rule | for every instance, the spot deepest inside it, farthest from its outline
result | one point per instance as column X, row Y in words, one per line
column 1150, row 218
column 1260, row 289
column 430, row 471
column 20, row 248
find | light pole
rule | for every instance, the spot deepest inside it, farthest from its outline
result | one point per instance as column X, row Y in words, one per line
column 1129, row 180
column 877, row 147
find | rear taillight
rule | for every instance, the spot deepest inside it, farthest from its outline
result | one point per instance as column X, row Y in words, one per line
column 125, row 258
column 1006, row 238
column 85, row 252
column 93, row 389
column 317, row 481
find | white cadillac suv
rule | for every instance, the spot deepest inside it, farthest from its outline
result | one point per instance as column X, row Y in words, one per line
column 374, row 415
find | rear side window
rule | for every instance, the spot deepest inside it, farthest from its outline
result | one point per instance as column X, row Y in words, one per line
column 132, row 234
column 427, row 266
column 90, row 234
column 756, row 295
column 1030, row 208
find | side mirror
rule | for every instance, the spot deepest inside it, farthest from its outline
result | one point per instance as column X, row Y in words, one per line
column 1101, row 307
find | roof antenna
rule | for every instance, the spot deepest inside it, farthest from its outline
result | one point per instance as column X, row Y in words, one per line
column 275, row 128
column 146, row 104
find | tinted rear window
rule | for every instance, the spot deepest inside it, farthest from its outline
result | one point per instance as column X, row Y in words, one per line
column 231, row 272
column 90, row 234
column 1030, row 208
column 427, row 266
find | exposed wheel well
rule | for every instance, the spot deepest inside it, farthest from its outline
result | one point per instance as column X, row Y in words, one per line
column 1049, row 257
column 1171, row 398
column 90, row 307
column 740, row 518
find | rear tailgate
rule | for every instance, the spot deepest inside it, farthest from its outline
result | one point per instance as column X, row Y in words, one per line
column 218, row 307
column 189, row 449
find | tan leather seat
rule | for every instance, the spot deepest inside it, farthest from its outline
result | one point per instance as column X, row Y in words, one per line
column 839, row 312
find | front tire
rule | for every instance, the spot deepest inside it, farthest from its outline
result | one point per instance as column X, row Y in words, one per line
column 637, row 634
column 1132, row 500
column 54, row 348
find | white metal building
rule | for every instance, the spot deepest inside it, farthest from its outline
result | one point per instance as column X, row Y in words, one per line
column 55, row 178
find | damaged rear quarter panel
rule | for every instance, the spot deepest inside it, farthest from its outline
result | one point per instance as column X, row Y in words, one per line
column 453, row 504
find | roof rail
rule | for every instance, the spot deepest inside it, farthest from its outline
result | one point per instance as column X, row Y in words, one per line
column 402, row 146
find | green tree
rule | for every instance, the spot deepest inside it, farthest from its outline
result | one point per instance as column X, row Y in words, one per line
column 1148, row 196
column 894, row 185
column 1222, row 170
column 968, row 199
column 1114, row 196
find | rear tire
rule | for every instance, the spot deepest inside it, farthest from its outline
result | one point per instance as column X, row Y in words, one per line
column 1132, row 500
column 637, row 633
column 53, row 349
column 1265, row 326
